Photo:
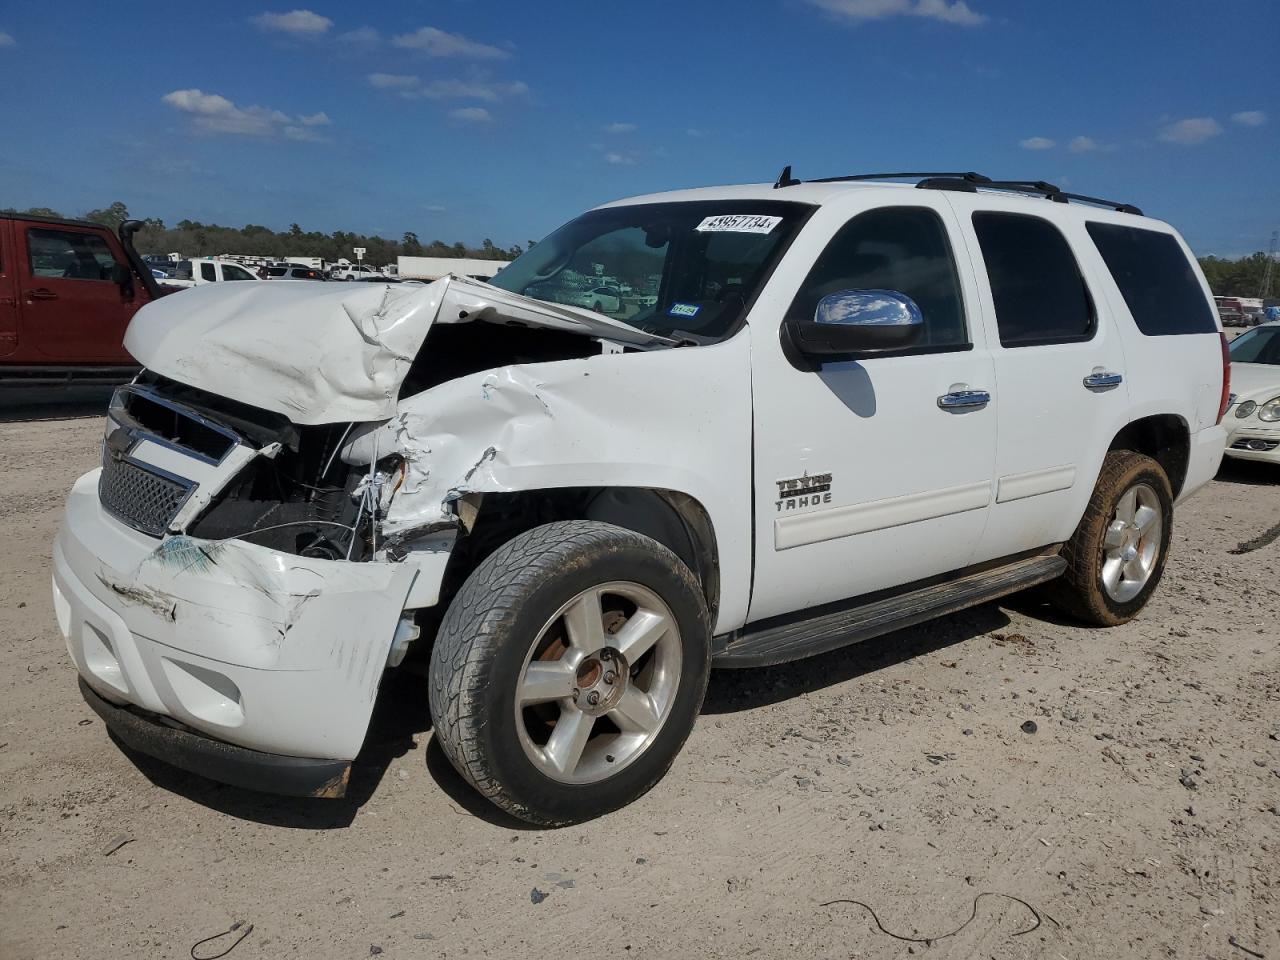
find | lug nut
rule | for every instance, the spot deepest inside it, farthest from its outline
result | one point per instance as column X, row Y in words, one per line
column 576, row 694
column 610, row 676
column 593, row 698
column 606, row 655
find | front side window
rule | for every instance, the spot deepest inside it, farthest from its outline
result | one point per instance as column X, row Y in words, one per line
column 903, row 249
column 230, row 272
column 691, row 268
column 1040, row 295
column 1155, row 278
column 69, row 255
column 208, row 272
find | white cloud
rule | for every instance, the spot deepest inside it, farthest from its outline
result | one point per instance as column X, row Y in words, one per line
column 620, row 128
column 359, row 40
column 1037, row 143
column 438, row 43
column 393, row 81
column 213, row 114
column 947, row 11
column 1246, row 118
column 471, row 114
column 1083, row 145
column 470, row 90
column 6, row 40
column 1191, row 130
column 296, row 23
column 620, row 159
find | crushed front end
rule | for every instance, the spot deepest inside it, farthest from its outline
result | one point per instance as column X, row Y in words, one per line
column 222, row 592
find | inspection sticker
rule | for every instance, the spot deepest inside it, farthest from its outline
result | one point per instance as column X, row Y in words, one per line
column 738, row 223
column 684, row 310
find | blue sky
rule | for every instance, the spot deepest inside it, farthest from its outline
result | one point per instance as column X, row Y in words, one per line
column 461, row 119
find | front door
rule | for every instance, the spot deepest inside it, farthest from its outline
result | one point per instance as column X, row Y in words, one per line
column 867, row 475
column 8, row 292
column 72, row 309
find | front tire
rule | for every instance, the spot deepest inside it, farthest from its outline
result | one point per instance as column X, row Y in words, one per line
column 569, row 670
column 1116, row 557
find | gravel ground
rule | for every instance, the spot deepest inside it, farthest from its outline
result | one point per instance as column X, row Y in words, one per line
column 1141, row 818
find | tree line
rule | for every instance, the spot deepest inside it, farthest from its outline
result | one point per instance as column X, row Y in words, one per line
column 192, row 238
column 1227, row 278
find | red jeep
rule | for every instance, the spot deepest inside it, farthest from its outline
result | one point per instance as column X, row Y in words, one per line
column 68, row 289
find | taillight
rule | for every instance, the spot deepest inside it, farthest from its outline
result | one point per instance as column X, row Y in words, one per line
column 1226, row 378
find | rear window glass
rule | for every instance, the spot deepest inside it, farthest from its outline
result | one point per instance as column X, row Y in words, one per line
column 1040, row 296
column 1156, row 279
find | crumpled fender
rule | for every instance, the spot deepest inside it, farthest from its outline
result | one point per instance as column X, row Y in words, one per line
column 676, row 420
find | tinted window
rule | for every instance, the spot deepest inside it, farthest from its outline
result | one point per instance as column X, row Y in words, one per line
column 207, row 271
column 904, row 249
column 1257, row 346
column 1040, row 296
column 235, row 273
column 1156, row 279
column 73, row 256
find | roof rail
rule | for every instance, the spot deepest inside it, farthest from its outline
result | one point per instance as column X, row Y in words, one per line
column 968, row 182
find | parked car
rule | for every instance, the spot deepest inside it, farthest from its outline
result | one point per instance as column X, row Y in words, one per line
column 354, row 271
column 192, row 273
column 854, row 407
column 291, row 272
column 1254, row 414
column 68, row 289
column 599, row 299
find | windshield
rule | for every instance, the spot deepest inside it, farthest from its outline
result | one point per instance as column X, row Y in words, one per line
column 1260, row 345
column 688, row 268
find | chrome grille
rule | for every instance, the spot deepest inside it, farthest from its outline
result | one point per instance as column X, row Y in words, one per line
column 1256, row 445
column 143, row 498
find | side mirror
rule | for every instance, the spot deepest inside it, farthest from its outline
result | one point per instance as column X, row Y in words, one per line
column 859, row 322
column 122, row 277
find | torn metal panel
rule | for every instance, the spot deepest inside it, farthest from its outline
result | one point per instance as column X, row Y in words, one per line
column 326, row 352
column 666, row 419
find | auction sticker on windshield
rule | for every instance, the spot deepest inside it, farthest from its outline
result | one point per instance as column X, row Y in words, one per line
column 738, row 223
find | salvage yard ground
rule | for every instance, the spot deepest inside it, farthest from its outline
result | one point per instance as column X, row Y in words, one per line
column 1137, row 816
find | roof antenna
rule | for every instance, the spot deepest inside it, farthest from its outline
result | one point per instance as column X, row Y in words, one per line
column 785, row 179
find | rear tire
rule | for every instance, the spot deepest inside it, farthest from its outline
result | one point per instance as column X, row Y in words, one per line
column 1116, row 557
column 569, row 670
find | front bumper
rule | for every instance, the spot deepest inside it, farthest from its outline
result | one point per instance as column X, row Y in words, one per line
column 261, row 650
column 187, row 750
column 1257, row 436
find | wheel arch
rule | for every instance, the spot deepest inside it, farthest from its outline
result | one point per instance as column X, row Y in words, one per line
column 675, row 519
column 1165, row 438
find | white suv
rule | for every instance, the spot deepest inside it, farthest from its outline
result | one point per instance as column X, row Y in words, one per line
column 854, row 405
column 354, row 271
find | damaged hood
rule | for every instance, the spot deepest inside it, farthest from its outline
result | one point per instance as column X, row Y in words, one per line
column 327, row 352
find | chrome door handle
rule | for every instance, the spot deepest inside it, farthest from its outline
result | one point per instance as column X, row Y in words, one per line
column 964, row 399
column 1103, row 380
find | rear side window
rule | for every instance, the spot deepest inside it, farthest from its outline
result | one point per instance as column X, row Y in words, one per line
column 904, row 249
column 1040, row 295
column 1156, row 279
column 207, row 271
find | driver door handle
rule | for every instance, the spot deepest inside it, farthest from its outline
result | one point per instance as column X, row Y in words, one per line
column 964, row 399
column 1103, row 380
column 41, row 293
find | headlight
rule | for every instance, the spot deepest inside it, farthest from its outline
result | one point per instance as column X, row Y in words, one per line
column 1245, row 409
column 1270, row 411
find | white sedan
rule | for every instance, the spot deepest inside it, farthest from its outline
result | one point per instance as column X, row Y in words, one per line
column 1253, row 418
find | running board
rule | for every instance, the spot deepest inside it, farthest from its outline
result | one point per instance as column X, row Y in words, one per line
column 806, row 638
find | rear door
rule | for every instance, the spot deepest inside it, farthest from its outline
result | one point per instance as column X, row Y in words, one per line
column 72, row 310
column 8, row 292
column 1059, row 369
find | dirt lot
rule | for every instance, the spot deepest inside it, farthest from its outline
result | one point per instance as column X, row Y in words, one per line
column 1141, row 819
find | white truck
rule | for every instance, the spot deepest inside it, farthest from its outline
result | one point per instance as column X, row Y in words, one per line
column 355, row 271
column 853, row 406
column 193, row 273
